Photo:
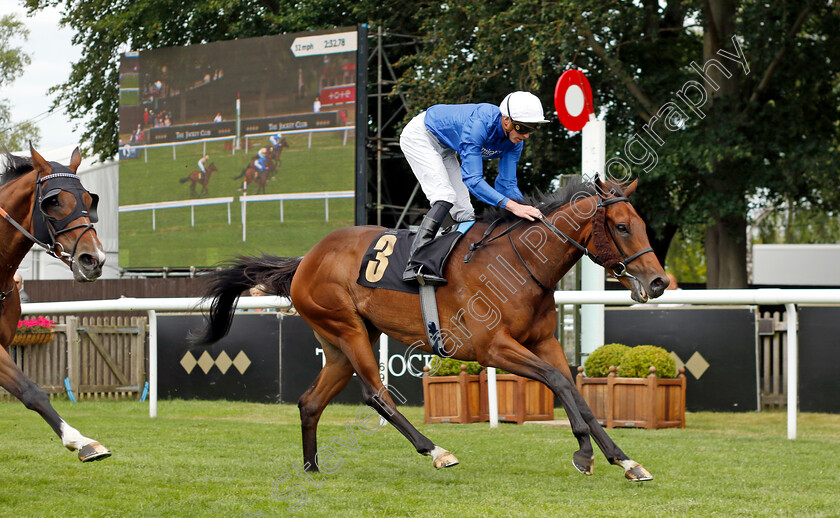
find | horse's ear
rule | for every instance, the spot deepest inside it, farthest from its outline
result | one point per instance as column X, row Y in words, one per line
column 38, row 161
column 75, row 160
column 630, row 189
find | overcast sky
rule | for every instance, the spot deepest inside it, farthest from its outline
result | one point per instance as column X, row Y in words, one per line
column 52, row 53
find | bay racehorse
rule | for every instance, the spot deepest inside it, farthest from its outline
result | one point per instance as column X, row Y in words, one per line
column 201, row 179
column 44, row 203
column 251, row 174
column 500, row 306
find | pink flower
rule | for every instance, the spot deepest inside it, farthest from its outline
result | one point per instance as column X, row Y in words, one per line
column 36, row 325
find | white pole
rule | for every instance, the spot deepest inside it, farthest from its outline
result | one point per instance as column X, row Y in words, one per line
column 243, row 204
column 383, row 366
column 153, row 363
column 492, row 397
column 593, row 154
column 792, row 369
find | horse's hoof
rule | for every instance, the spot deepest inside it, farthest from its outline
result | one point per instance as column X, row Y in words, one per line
column 445, row 460
column 583, row 463
column 634, row 472
column 93, row 451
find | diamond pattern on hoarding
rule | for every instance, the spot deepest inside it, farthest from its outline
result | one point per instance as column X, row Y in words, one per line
column 697, row 365
column 241, row 362
column 188, row 362
column 206, row 362
column 678, row 361
column 223, row 362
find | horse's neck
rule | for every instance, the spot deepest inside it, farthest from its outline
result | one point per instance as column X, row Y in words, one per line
column 16, row 198
column 556, row 256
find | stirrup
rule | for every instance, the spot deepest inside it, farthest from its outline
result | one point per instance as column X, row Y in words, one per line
column 413, row 274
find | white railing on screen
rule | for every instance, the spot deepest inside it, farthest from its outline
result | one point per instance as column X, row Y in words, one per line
column 178, row 204
column 789, row 297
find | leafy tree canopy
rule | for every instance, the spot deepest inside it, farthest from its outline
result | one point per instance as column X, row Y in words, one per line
column 13, row 135
column 767, row 133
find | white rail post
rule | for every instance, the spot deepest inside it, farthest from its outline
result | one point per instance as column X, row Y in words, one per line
column 792, row 369
column 492, row 397
column 153, row 363
column 383, row 366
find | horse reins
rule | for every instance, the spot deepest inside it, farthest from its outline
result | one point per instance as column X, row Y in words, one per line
column 54, row 248
column 617, row 268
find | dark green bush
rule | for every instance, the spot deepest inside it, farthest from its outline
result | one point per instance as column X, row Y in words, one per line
column 598, row 363
column 452, row 367
column 637, row 361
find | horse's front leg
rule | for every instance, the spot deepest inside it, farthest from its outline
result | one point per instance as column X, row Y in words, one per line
column 510, row 355
column 13, row 380
column 552, row 352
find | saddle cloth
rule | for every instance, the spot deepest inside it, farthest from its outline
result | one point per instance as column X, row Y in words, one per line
column 384, row 262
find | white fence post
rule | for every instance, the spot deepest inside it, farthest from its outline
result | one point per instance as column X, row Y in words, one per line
column 153, row 363
column 792, row 369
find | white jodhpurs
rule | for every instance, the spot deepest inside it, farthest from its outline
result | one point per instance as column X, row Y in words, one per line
column 437, row 168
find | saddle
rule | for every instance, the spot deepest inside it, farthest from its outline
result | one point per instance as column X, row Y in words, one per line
column 384, row 262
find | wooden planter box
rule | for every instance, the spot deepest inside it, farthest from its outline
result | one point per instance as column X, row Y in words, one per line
column 635, row 402
column 463, row 398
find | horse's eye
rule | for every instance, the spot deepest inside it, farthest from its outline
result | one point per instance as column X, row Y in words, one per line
column 621, row 227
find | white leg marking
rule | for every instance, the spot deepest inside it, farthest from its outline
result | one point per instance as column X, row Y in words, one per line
column 71, row 438
column 437, row 452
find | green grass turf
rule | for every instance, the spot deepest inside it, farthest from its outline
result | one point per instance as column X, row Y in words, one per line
column 222, row 458
column 326, row 166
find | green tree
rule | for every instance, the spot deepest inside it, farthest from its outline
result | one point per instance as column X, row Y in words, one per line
column 13, row 136
column 764, row 121
column 767, row 125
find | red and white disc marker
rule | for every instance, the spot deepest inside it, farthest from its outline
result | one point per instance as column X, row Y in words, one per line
column 573, row 100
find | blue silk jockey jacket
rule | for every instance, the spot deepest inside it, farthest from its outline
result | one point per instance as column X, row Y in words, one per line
column 475, row 132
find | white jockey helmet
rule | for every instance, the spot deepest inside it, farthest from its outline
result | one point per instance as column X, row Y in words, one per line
column 523, row 107
column 263, row 152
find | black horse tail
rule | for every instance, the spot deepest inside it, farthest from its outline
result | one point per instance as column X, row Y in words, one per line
column 238, row 275
column 241, row 174
column 184, row 179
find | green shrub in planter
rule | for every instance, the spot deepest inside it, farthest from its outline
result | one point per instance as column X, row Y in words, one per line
column 637, row 361
column 452, row 367
column 598, row 363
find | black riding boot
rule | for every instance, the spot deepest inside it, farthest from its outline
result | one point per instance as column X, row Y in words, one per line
column 428, row 228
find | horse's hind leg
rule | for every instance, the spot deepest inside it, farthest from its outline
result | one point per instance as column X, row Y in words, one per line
column 13, row 380
column 332, row 379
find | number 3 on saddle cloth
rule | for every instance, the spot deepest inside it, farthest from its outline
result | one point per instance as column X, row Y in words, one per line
column 384, row 262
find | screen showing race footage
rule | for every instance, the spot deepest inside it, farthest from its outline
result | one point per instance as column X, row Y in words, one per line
column 236, row 147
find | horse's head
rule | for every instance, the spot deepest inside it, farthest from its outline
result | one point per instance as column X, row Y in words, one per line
column 64, row 215
column 619, row 239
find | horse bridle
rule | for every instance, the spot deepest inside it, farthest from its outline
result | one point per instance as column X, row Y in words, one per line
column 45, row 228
column 616, row 268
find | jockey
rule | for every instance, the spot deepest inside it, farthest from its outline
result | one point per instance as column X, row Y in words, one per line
column 435, row 139
column 262, row 153
column 202, row 166
column 277, row 141
column 261, row 163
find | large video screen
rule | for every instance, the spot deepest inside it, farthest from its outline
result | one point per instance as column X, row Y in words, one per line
column 236, row 147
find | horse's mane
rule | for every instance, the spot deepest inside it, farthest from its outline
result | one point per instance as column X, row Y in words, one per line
column 14, row 167
column 548, row 202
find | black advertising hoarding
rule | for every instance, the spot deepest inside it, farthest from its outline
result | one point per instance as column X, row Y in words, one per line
column 264, row 358
column 819, row 357
column 242, row 366
column 718, row 347
column 248, row 126
column 225, row 101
